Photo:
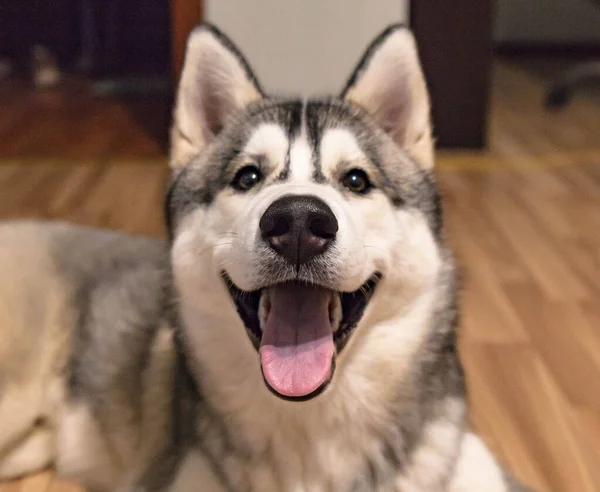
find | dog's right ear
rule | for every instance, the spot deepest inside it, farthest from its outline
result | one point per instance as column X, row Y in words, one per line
column 215, row 83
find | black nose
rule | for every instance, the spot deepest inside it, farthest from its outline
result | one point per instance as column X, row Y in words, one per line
column 298, row 227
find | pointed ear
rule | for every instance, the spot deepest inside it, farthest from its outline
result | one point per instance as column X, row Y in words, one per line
column 215, row 83
column 389, row 83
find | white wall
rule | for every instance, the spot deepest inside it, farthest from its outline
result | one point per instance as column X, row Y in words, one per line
column 304, row 46
column 552, row 21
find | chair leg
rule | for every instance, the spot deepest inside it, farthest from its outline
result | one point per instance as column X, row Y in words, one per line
column 562, row 89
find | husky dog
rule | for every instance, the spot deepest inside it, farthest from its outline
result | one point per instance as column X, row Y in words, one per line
column 296, row 333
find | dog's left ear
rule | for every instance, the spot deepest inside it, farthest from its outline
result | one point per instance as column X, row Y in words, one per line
column 389, row 83
column 215, row 83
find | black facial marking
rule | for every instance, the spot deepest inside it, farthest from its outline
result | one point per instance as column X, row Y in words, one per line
column 435, row 210
column 168, row 210
column 315, row 124
column 170, row 207
column 293, row 118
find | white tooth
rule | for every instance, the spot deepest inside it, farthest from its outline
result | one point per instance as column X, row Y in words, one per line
column 335, row 312
column 264, row 306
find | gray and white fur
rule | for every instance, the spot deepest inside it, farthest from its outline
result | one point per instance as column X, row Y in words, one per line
column 131, row 363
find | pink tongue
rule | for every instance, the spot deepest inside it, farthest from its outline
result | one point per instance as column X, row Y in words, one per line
column 297, row 348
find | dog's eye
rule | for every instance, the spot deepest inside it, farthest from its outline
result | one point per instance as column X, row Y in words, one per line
column 357, row 181
column 246, row 178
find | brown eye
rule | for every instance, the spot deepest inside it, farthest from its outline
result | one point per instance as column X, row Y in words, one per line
column 246, row 178
column 357, row 181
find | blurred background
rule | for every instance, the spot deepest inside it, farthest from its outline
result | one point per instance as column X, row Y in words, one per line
column 86, row 88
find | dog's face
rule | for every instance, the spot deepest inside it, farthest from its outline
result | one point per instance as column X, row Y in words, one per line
column 292, row 220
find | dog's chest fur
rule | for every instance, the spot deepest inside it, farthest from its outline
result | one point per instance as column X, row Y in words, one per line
column 339, row 459
column 341, row 444
column 326, row 465
column 290, row 460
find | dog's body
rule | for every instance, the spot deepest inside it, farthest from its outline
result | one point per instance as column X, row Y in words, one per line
column 306, row 263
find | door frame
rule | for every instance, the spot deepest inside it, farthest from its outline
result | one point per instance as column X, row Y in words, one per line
column 185, row 15
column 455, row 44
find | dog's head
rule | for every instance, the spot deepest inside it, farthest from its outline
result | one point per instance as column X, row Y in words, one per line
column 302, row 223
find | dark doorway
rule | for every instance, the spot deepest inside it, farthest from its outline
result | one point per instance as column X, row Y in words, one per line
column 455, row 42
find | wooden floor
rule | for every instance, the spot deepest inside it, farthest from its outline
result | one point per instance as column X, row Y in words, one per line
column 524, row 218
column 72, row 124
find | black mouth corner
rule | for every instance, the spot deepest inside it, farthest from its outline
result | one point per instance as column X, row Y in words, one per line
column 247, row 304
column 353, row 307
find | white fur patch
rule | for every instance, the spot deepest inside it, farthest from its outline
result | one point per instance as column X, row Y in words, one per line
column 270, row 140
column 337, row 145
column 301, row 159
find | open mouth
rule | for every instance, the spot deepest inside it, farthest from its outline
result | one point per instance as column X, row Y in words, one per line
column 298, row 328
